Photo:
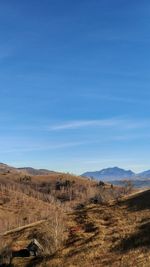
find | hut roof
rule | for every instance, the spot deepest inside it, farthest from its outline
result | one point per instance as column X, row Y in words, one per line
column 33, row 243
column 25, row 244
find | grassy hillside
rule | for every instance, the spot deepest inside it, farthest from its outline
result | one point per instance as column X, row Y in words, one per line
column 78, row 222
column 25, row 199
column 104, row 235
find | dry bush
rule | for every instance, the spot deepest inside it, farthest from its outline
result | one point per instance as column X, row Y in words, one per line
column 128, row 186
column 5, row 252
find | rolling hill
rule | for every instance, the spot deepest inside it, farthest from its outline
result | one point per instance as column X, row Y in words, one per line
column 28, row 170
column 79, row 222
column 114, row 234
column 32, row 171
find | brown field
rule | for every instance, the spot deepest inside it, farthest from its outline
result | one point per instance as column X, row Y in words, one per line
column 58, row 210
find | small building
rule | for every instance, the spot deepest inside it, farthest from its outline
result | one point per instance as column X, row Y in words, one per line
column 34, row 248
column 26, row 249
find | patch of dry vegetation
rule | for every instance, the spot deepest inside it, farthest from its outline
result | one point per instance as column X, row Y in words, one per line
column 118, row 234
column 106, row 235
column 84, row 222
column 26, row 199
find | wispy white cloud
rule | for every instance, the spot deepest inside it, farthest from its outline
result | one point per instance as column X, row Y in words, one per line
column 82, row 123
column 38, row 126
column 105, row 123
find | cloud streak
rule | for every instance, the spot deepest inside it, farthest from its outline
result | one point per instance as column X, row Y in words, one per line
column 103, row 123
column 40, row 126
column 82, row 124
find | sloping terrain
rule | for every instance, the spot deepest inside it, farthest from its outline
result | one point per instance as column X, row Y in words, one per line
column 114, row 234
column 59, row 211
column 25, row 199
column 32, row 171
column 109, row 235
column 4, row 168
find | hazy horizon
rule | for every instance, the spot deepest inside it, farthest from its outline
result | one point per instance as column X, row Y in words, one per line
column 75, row 173
column 74, row 92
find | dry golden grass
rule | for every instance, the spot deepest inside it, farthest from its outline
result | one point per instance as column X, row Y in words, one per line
column 28, row 202
column 97, row 235
column 110, row 234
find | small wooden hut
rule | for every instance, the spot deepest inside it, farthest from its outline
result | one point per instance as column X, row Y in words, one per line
column 26, row 248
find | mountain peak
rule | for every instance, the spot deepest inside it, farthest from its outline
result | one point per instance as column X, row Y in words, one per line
column 110, row 173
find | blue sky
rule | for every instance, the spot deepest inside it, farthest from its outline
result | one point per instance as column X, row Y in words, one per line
column 75, row 84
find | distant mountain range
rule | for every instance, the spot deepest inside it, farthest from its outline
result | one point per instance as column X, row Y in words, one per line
column 32, row 171
column 145, row 174
column 26, row 170
column 115, row 173
column 6, row 168
column 108, row 174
